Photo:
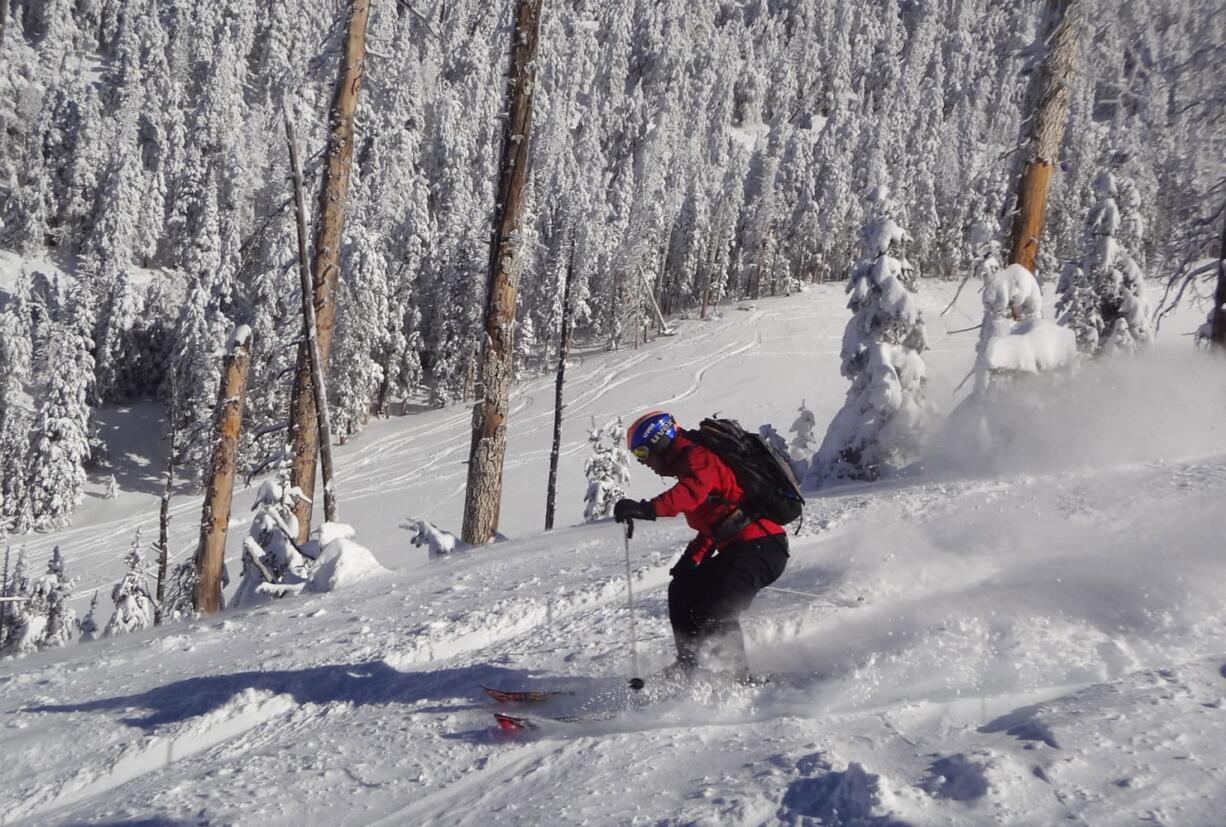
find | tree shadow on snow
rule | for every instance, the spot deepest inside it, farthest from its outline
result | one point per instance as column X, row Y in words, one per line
column 150, row 822
column 138, row 462
column 373, row 682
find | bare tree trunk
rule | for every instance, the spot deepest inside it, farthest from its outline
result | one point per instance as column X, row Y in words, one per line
column 638, row 309
column 385, row 385
column 658, row 297
column 483, row 498
column 215, row 519
column 326, row 268
column 318, row 388
column 1050, row 119
column 4, row 584
column 1217, row 334
column 164, row 506
column 563, row 352
column 708, row 268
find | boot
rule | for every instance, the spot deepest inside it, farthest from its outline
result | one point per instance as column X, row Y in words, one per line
column 727, row 653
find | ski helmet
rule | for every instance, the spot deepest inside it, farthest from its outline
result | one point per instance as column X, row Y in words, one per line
column 652, row 431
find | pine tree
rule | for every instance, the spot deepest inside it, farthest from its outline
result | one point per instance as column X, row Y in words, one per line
column 50, row 595
column 134, row 604
column 56, row 469
column 883, row 423
column 269, row 552
column 607, row 470
column 197, row 373
column 22, row 625
column 16, row 344
column 88, row 626
column 15, row 507
column 1102, row 296
column 361, row 332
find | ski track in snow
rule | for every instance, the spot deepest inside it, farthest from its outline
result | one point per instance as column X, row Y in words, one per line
column 1019, row 650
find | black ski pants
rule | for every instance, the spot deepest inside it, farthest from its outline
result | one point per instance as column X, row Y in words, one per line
column 705, row 602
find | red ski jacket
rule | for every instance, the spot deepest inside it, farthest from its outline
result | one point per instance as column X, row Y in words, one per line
column 707, row 494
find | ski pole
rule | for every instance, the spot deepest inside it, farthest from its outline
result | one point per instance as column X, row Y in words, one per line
column 636, row 682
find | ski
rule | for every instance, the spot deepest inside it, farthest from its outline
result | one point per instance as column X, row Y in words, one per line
column 511, row 723
column 504, row 696
column 520, row 723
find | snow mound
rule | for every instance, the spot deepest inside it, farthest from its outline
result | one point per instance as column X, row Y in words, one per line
column 343, row 561
column 840, row 799
column 1034, row 346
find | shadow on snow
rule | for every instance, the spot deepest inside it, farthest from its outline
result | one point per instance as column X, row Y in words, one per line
column 373, row 682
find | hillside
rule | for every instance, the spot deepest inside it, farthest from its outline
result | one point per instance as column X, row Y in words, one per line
column 1024, row 638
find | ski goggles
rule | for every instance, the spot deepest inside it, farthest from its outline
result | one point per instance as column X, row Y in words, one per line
column 641, row 451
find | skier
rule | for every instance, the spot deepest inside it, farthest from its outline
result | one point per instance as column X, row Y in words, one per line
column 729, row 561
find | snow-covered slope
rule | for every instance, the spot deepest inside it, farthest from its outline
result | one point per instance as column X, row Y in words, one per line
column 1026, row 638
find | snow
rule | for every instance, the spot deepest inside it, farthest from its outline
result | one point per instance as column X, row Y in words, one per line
column 1034, row 346
column 1013, row 290
column 1028, row 642
column 343, row 561
column 749, row 135
column 239, row 337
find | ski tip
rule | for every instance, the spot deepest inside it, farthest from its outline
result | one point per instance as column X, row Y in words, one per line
column 509, row 723
column 497, row 694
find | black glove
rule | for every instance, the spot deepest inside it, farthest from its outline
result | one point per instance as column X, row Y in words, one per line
column 633, row 510
column 683, row 566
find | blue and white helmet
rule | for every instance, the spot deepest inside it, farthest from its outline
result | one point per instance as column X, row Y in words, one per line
column 651, row 432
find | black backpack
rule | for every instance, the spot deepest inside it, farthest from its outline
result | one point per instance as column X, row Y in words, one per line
column 766, row 477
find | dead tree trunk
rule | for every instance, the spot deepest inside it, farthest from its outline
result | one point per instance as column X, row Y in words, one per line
column 482, row 500
column 563, row 352
column 4, row 594
column 217, row 499
column 707, row 268
column 326, row 268
column 1050, row 118
column 1217, row 327
column 164, row 506
column 311, row 335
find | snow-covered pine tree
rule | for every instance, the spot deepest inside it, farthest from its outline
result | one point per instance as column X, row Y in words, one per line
column 16, row 344
column 269, row 554
column 887, row 414
column 607, row 470
column 181, row 591
column 56, row 470
column 15, row 514
column 50, row 595
column 438, row 542
column 1015, row 339
column 134, row 604
column 23, row 626
column 361, row 332
column 88, row 625
column 1102, row 296
column 197, row 374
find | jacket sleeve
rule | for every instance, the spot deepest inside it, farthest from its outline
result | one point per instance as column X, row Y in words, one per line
column 694, row 483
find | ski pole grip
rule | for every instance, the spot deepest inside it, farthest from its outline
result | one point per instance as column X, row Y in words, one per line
column 629, row 528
